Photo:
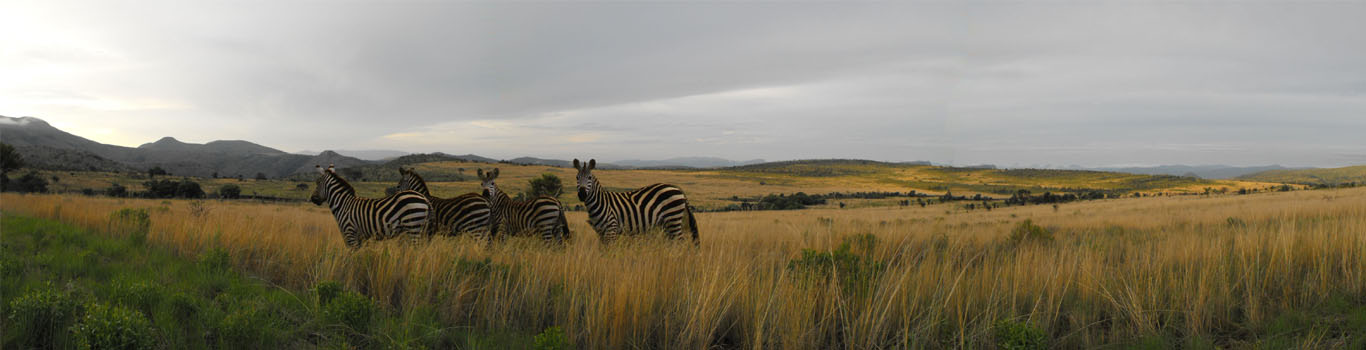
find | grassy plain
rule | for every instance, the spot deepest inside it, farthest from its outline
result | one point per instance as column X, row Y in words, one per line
column 716, row 188
column 1268, row 270
column 1328, row 176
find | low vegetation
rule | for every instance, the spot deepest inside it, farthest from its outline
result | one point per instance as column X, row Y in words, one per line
column 1265, row 270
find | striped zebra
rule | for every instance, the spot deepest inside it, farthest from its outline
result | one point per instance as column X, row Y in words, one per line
column 467, row 213
column 633, row 212
column 542, row 214
column 361, row 219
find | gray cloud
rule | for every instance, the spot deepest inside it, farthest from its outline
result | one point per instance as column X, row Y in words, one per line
column 1091, row 84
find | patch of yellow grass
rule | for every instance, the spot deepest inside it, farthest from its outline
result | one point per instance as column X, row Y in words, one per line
column 1118, row 269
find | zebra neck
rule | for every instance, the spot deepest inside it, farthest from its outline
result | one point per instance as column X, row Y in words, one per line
column 593, row 201
column 500, row 198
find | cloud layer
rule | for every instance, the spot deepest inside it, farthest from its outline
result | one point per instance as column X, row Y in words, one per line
column 1010, row 84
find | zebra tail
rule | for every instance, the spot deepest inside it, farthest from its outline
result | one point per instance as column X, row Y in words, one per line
column 692, row 224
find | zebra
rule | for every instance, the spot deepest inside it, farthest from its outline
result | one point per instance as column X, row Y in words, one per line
column 361, row 219
column 542, row 214
column 633, row 212
column 469, row 212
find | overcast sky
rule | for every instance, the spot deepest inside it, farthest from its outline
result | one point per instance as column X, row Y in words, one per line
column 1092, row 84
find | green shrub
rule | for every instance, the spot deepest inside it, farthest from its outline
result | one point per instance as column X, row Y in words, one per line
column 183, row 307
column 39, row 315
column 246, row 327
column 1028, row 232
column 141, row 295
column 327, row 291
column 132, row 222
column 215, row 261
column 1012, row 335
column 855, row 274
column 114, row 327
column 552, row 338
column 352, row 310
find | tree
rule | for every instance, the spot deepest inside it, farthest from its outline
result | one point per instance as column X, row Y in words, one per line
column 30, row 182
column 9, row 158
column 156, row 170
column 547, row 185
column 189, row 189
column 260, row 176
column 229, row 191
column 116, row 190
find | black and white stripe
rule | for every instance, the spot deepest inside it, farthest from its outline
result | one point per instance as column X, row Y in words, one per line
column 362, row 219
column 633, row 212
column 518, row 217
column 467, row 213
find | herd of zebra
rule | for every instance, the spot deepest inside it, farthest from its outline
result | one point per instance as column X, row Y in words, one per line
column 415, row 212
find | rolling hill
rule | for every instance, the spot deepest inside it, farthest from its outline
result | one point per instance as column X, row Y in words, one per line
column 1323, row 176
column 50, row 148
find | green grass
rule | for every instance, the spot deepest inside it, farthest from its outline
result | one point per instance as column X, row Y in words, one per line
column 65, row 287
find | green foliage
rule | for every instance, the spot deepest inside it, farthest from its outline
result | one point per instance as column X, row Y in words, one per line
column 547, row 185
column 230, row 191
column 215, row 261
column 326, row 291
column 854, row 273
column 9, row 158
column 134, row 223
column 246, row 326
column 1012, row 335
column 552, row 338
column 29, row 183
column 1027, row 232
column 352, row 310
column 116, row 190
column 185, row 188
column 139, row 295
column 39, row 316
column 114, row 327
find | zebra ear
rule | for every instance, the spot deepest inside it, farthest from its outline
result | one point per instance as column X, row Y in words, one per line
column 576, row 164
column 481, row 174
column 592, row 164
column 495, row 174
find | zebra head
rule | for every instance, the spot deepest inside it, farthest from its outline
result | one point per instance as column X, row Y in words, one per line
column 411, row 181
column 587, row 182
column 319, row 194
column 486, row 181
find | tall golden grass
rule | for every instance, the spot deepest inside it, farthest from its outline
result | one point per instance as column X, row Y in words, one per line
column 1117, row 270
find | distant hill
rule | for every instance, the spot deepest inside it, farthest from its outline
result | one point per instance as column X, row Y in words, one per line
column 1203, row 171
column 686, row 162
column 1325, row 176
column 52, row 148
column 370, row 155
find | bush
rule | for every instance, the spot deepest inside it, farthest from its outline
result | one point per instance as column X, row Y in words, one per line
column 230, row 191
column 135, row 223
column 116, row 190
column 327, row 291
column 39, row 315
column 114, row 327
column 173, row 189
column 352, row 310
column 552, row 338
column 142, row 295
column 246, row 327
column 1028, row 232
column 29, row 183
column 855, row 274
column 1019, row 336
column 547, row 185
column 215, row 261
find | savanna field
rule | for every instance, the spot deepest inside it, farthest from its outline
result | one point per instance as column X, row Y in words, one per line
column 1264, row 270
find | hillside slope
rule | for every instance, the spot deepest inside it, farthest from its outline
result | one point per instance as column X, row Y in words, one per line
column 1326, row 176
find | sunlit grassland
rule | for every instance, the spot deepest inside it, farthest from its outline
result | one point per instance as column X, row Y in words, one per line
column 1274, row 269
column 1330, row 176
column 717, row 188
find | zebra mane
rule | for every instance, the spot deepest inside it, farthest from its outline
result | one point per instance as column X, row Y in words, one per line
column 345, row 186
